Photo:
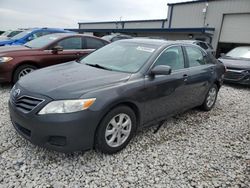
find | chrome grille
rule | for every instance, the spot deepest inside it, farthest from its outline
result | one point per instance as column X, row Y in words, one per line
column 26, row 103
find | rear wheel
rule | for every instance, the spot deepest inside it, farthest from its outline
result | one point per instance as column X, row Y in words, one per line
column 210, row 99
column 116, row 130
column 22, row 71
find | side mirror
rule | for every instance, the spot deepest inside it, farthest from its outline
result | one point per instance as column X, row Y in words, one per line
column 161, row 70
column 30, row 38
column 57, row 49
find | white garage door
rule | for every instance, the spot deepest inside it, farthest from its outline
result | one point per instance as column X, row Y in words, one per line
column 236, row 28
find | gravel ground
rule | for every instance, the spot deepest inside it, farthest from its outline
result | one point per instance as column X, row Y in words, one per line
column 196, row 149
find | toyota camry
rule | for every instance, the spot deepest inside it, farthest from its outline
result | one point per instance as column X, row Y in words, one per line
column 101, row 101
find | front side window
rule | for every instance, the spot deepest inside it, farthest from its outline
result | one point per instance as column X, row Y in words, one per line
column 195, row 56
column 71, row 43
column 172, row 57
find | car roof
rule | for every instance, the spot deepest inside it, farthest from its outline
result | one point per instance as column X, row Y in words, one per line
column 62, row 35
column 118, row 34
column 191, row 41
column 45, row 28
column 155, row 42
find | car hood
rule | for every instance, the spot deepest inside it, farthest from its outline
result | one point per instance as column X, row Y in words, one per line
column 70, row 80
column 236, row 63
column 14, row 48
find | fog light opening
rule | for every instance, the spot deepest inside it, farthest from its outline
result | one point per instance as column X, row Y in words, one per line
column 57, row 140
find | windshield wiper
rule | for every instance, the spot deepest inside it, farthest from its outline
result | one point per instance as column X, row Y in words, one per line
column 98, row 66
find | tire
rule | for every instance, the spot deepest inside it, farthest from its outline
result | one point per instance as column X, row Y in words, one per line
column 211, row 98
column 20, row 70
column 106, row 138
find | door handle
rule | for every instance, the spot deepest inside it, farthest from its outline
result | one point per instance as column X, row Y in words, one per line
column 212, row 69
column 185, row 76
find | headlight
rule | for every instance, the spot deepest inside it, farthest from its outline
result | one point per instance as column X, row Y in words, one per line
column 67, row 106
column 5, row 59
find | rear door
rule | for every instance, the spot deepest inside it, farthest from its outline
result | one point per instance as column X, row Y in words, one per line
column 200, row 73
column 166, row 94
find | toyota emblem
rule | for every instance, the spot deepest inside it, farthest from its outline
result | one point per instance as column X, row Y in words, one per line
column 16, row 92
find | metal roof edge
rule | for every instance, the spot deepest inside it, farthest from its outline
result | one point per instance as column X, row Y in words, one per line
column 188, row 2
column 128, row 21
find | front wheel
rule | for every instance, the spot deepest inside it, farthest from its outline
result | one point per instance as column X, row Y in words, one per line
column 210, row 99
column 116, row 130
column 22, row 71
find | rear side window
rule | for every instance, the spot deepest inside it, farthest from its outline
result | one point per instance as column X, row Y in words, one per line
column 195, row 56
column 172, row 57
column 210, row 46
column 92, row 43
column 71, row 43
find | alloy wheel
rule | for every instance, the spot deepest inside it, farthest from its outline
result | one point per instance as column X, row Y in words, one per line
column 25, row 72
column 211, row 97
column 118, row 130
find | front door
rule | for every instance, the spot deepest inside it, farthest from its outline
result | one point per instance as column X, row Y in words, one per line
column 72, row 50
column 165, row 94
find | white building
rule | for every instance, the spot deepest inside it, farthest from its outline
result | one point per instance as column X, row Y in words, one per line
column 224, row 23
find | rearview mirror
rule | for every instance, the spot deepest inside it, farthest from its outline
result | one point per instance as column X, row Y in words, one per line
column 161, row 70
column 56, row 49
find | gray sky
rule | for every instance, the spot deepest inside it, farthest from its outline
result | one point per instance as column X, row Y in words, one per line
column 67, row 13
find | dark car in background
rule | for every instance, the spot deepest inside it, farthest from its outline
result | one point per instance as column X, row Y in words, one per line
column 237, row 62
column 30, row 34
column 10, row 33
column 116, row 37
column 17, row 61
column 102, row 100
column 206, row 46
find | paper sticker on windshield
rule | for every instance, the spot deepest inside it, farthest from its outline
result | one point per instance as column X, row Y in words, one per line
column 145, row 49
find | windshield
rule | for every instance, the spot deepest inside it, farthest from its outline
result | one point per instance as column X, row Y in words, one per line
column 240, row 52
column 120, row 56
column 20, row 35
column 13, row 33
column 41, row 42
column 5, row 34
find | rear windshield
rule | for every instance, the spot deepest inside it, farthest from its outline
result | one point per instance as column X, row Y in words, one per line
column 41, row 42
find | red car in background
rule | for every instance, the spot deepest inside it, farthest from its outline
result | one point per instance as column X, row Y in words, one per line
column 17, row 61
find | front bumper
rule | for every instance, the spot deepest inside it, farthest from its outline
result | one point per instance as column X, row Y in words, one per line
column 5, row 76
column 60, row 132
column 237, row 76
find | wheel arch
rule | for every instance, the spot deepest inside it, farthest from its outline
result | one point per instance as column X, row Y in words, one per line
column 29, row 62
column 129, row 104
